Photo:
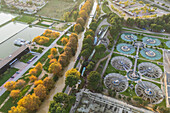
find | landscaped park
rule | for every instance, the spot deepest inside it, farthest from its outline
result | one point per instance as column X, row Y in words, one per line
column 84, row 56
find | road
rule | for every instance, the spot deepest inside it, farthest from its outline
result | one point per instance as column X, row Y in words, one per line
column 60, row 84
column 146, row 31
column 110, row 55
column 33, row 62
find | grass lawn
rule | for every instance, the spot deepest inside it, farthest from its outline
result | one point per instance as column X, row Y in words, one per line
column 60, row 50
column 49, row 43
column 25, row 19
column 4, row 96
column 128, row 92
column 6, row 75
column 11, row 102
column 106, row 9
column 44, row 57
column 26, row 58
column 57, row 8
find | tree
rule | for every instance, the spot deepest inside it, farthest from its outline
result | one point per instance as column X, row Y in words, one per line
column 61, row 98
column 55, row 68
column 86, row 53
column 83, row 14
column 20, row 83
column 38, row 66
column 56, row 108
column 68, row 51
column 75, row 15
column 51, row 56
column 74, row 72
column 30, row 102
column 15, row 93
column 53, row 60
column 93, row 26
column 71, row 80
column 37, row 82
column 10, row 85
column 66, row 16
column 40, row 91
column 48, row 83
column 18, row 109
column 63, row 59
column 64, row 40
column 88, row 41
column 33, row 71
column 93, row 79
column 90, row 37
column 89, row 32
column 32, row 78
column 53, row 51
column 100, row 48
column 90, row 66
column 80, row 21
column 77, row 28
column 130, row 21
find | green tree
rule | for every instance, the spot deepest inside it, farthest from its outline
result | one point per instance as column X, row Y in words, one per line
column 71, row 80
column 56, row 108
column 93, row 79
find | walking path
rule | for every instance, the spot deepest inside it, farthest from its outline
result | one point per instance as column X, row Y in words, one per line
column 59, row 85
column 100, row 62
column 110, row 55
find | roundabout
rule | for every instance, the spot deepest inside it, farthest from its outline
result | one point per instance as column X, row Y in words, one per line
column 125, row 48
column 128, row 37
column 151, row 41
column 116, row 82
column 151, row 54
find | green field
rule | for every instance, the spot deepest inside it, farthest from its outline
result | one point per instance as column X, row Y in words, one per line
column 57, row 8
column 6, row 75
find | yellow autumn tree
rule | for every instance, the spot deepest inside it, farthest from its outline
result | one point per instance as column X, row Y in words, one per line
column 15, row 93
column 10, row 85
column 37, row 82
column 33, row 78
column 38, row 66
column 55, row 68
column 30, row 102
column 48, row 83
column 18, row 109
column 40, row 91
column 20, row 83
column 53, row 51
column 64, row 40
column 33, row 71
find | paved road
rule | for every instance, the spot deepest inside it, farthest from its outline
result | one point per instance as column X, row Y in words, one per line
column 39, row 56
column 110, row 55
column 146, row 31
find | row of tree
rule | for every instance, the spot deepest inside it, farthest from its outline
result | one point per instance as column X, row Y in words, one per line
column 156, row 24
column 70, row 48
column 46, row 37
column 31, row 102
column 83, row 13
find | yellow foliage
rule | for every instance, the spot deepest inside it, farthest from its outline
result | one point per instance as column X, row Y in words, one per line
column 10, row 85
column 40, row 91
column 18, row 109
column 15, row 93
column 73, row 71
column 37, row 82
column 32, row 78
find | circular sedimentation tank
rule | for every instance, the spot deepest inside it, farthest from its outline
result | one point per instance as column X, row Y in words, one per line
column 150, row 70
column 149, row 92
column 121, row 63
column 116, row 82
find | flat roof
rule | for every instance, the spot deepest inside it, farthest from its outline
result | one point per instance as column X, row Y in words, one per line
column 12, row 56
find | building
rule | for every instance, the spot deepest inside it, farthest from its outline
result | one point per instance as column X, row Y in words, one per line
column 11, row 59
